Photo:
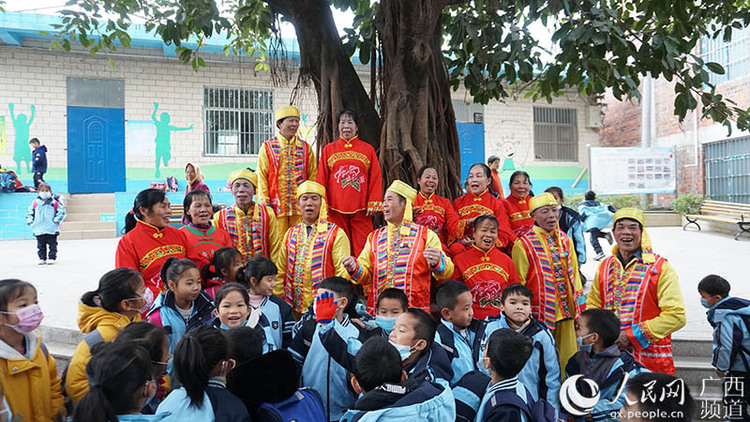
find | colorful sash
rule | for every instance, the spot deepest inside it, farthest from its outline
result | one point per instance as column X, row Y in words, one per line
column 248, row 235
column 291, row 168
column 318, row 244
column 394, row 259
column 548, row 289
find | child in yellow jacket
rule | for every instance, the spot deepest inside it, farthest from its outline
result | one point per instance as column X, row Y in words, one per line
column 28, row 374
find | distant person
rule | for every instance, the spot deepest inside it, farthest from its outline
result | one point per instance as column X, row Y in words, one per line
column 496, row 187
column 39, row 160
column 596, row 216
column 195, row 178
column 45, row 214
column 570, row 224
column 729, row 317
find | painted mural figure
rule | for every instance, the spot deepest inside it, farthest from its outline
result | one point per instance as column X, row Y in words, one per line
column 163, row 138
column 21, row 151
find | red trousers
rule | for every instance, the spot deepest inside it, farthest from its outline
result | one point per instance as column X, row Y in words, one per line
column 356, row 226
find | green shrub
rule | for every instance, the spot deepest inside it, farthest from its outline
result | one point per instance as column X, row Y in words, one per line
column 687, row 204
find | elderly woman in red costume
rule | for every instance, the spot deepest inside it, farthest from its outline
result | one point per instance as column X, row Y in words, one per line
column 479, row 201
column 433, row 211
column 485, row 269
column 349, row 171
column 517, row 203
column 203, row 237
column 149, row 240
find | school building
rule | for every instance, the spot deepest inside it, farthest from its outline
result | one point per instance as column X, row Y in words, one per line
column 113, row 130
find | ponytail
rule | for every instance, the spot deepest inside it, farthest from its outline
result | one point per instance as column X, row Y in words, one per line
column 195, row 357
column 222, row 260
column 174, row 268
column 114, row 287
column 258, row 267
column 146, row 198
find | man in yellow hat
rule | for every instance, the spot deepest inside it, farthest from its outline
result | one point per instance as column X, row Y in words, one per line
column 251, row 226
column 643, row 289
column 402, row 254
column 313, row 250
column 284, row 162
column 546, row 262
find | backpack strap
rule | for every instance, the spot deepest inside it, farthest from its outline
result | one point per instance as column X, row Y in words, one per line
column 543, row 387
column 738, row 347
column 511, row 398
column 446, row 341
column 44, row 350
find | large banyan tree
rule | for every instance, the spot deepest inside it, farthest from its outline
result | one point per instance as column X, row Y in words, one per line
column 418, row 50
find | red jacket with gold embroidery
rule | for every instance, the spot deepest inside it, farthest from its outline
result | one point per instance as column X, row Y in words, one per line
column 203, row 242
column 518, row 212
column 437, row 214
column 487, row 274
column 472, row 206
column 145, row 248
column 350, row 172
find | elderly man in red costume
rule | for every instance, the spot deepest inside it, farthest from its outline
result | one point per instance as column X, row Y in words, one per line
column 545, row 259
column 642, row 288
column 402, row 254
column 251, row 225
column 284, row 162
column 313, row 250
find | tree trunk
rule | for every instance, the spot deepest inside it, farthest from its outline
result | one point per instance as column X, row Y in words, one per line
column 323, row 59
column 419, row 125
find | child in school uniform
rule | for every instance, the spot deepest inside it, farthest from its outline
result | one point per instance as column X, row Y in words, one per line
column 221, row 270
column 386, row 394
column 458, row 332
column 541, row 374
column 730, row 318
column 28, row 373
column 183, row 306
column 275, row 315
column 601, row 360
column 45, row 214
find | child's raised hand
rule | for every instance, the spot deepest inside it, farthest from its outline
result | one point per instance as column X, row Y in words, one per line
column 325, row 307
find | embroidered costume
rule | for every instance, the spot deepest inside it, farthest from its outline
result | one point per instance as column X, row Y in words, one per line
column 394, row 257
column 146, row 247
column 547, row 264
column 254, row 233
column 349, row 171
column 204, row 241
column 283, row 164
column 437, row 214
column 487, row 274
column 518, row 212
column 646, row 296
column 310, row 255
column 471, row 206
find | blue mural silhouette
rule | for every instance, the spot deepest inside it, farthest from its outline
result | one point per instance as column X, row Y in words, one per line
column 163, row 138
column 22, row 126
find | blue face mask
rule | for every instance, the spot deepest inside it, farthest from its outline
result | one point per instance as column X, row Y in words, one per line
column 704, row 303
column 585, row 347
column 404, row 351
column 386, row 323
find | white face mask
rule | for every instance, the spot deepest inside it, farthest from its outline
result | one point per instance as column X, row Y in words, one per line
column 404, row 351
column 45, row 195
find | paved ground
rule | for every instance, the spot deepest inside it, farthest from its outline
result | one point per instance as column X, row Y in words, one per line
column 81, row 263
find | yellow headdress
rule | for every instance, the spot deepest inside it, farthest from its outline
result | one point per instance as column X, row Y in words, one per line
column 308, row 186
column 409, row 193
column 246, row 174
column 542, row 200
column 286, row 111
column 647, row 250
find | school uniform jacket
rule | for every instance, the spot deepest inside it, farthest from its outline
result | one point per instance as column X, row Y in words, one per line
column 409, row 401
column 276, row 321
column 164, row 313
column 730, row 318
column 493, row 410
column 462, row 352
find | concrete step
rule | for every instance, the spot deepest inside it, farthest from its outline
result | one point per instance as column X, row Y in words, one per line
column 88, row 234
column 84, row 216
column 71, row 226
column 91, row 198
column 692, row 348
column 102, row 208
column 61, row 343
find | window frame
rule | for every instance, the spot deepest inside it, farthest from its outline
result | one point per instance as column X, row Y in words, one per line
column 239, row 121
column 556, row 127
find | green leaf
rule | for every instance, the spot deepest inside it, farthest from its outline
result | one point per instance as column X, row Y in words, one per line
column 715, row 68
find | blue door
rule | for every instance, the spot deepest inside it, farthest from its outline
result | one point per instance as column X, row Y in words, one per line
column 471, row 141
column 96, row 150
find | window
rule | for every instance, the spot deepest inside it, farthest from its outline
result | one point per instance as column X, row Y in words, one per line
column 236, row 120
column 555, row 134
column 734, row 56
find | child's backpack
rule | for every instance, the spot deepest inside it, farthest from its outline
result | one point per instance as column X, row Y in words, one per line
column 172, row 185
column 303, row 406
column 7, row 181
column 540, row 410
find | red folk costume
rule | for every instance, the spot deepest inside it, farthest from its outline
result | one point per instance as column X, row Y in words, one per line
column 349, row 170
column 497, row 185
column 471, row 206
column 146, row 247
column 437, row 214
column 204, row 241
column 517, row 210
column 487, row 274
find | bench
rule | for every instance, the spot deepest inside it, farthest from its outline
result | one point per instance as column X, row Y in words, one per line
column 177, row 209
column 722, row 212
